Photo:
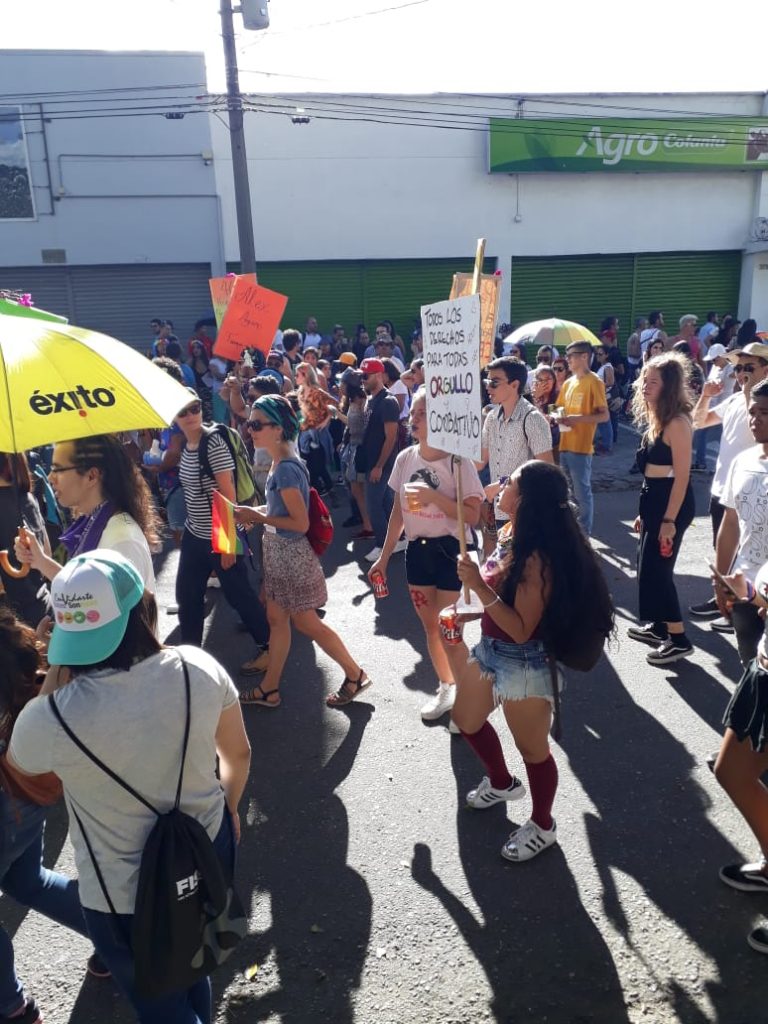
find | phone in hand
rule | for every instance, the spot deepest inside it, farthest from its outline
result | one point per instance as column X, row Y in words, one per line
column 724, row 583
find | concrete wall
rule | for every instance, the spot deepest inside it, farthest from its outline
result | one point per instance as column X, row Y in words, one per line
column 123, row 189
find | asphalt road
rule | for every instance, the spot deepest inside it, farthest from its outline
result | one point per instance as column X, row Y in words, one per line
column 376, row 896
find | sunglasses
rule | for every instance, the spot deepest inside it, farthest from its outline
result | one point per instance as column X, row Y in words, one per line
column 745, row 367
column 256, row 426
column 560, row 368
column 191, row 410
column 494, row 383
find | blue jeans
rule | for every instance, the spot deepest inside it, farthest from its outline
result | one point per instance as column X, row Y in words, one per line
column 23, row 877
column 579, row 469
column 701, row 439
column 605, row 435
column 109, row 935
column 379, row 499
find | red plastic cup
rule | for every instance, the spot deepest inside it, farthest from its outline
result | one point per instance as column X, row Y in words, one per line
column 380, row 588
column 450, row 629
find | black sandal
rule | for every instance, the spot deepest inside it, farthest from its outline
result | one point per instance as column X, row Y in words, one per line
column 260, row 697
column 348, row 690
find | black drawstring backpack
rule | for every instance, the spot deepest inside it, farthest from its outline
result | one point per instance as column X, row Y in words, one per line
column 187, row 918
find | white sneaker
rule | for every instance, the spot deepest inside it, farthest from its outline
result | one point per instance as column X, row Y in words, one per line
column 172, row 609
column 486, row 796
column 528, row 841
column 453, row 728
column 214, row 583
column 440, row 703
column 374, row 555
column 400, row 546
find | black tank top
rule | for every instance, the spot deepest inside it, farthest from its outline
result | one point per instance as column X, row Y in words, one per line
column 657, row 454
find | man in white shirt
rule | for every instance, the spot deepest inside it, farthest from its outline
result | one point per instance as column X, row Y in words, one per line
column 751, row 366
column 654, row 330
column 742, row 540
column 312, row 338
column 709, row 331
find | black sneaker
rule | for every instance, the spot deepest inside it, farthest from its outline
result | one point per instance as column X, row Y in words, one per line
column 650, row 634
column 746, row 877
column 721, row 625
column 705, row 610
column 669, row 651
column 31, row 1014
column 758, row 939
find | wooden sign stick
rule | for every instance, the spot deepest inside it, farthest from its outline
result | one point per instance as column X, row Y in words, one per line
column 476, row 280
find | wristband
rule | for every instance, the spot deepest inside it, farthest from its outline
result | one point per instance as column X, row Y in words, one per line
column 751, row 592
column 503, row 481
column 496, row 598
column 671, row 521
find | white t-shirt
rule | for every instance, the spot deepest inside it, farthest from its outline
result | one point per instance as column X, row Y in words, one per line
column 398, row 388
column 430, row 521
column 736, row 437
column 746, row 491
column 707, row 335
column 134, row 722
column 311, row 341
column 124, row 535
column 220, row 366
column 647, row 336
column 726, row 376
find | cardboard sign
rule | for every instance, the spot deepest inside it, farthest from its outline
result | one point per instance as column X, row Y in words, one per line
column 490, row 293
column 451, row 334
column 221, row 292
column 252, row 318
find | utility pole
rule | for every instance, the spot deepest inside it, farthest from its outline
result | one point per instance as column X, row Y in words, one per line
column 237, row 142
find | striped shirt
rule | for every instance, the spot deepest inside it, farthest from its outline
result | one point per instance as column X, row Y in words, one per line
column 198, row 499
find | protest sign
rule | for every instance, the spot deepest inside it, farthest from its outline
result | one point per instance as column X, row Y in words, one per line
column 252, row 318
column 490, row 293
column 451, row 333
column 221, row 292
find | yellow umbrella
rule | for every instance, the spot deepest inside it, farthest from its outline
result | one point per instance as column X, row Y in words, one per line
column 559, row 333
column 59, row 382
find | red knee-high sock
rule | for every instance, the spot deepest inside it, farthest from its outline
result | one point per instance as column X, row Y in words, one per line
column 542, row 778
column 486, row 744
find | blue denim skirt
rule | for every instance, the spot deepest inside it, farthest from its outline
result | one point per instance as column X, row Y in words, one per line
column 518, row 671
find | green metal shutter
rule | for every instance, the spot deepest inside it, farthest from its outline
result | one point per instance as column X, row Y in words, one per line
column 397, row 289
column 584, row 289
column 48, row 287
column 687, row 282
column 331, row 291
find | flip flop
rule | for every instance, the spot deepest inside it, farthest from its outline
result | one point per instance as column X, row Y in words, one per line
column 249, row 697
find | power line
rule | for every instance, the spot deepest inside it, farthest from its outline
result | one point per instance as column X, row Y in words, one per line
column 339, row 21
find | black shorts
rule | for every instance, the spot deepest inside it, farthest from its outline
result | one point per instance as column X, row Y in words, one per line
column 431, row 562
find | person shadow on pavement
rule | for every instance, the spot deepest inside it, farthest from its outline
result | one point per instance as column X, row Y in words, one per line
column 533, row 936
column 652, row 823
column 293, row 853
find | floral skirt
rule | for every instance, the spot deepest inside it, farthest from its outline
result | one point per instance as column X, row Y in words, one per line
column 293, row 576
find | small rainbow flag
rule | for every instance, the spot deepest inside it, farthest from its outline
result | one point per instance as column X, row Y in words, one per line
column 224, row 536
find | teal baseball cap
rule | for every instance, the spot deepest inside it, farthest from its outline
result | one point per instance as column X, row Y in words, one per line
column 92, row 598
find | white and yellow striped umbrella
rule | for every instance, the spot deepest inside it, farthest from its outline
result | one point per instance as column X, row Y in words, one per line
column 59, row 382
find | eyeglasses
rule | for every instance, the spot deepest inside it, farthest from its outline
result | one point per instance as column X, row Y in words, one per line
column 494, row 382
column 745, row 367
column 560, row 369
column 191, row 410
column 255, row 426
column 62, row 469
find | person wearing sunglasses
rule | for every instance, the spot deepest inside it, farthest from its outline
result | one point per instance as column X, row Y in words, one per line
column 750, row 367
column 97, row 476
column 294, row 581
column 197, row 561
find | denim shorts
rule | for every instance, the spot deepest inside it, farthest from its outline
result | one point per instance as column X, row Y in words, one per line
column 518, row 671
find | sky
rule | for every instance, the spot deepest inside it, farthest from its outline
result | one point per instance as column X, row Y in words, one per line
column 494, row 46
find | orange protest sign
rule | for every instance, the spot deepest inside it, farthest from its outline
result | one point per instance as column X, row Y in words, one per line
column 221, row 292
column 251, row 320
column 490, row 293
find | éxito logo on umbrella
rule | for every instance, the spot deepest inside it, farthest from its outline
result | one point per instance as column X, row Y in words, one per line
column 78, row 400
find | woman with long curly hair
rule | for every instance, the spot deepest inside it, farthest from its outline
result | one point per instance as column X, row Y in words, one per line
column 662, row 405
column 543, row 595
column 97, row 477
column 22, row 873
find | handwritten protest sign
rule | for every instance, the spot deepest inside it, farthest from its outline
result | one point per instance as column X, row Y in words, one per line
column 490, row 294
column 451, row 333
column 252, row 318
column 221, row 292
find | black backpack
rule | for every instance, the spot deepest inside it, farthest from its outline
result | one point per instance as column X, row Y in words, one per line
column 187, row 918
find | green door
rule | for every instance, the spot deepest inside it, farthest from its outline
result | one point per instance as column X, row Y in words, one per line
column 687, row 282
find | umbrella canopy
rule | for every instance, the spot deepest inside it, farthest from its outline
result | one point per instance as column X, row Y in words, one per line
column 59, row 382
column 558, row 333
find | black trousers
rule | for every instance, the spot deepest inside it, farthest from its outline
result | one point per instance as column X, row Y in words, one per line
column 657, row 594
column 196, row 563
column 716, row 513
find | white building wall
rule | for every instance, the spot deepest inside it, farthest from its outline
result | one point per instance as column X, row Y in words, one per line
column 352, row 189
column 123, row 189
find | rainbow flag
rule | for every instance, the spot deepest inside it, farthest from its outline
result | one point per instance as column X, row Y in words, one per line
column 224, row 536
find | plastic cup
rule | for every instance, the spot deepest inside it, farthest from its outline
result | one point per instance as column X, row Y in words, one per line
column 379, row 584
column 412, row 502
column 450, row 628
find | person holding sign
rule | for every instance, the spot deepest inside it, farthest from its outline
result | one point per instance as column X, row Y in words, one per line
column 424, row 487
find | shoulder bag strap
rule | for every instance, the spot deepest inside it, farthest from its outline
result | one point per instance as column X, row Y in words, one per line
column 99, row 763
column 186, row 731
column 95, row 863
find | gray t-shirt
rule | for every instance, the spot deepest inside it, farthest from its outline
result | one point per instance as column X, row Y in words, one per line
column 134, row 722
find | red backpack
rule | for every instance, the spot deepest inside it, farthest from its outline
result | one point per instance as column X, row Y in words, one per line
column 320, row 532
